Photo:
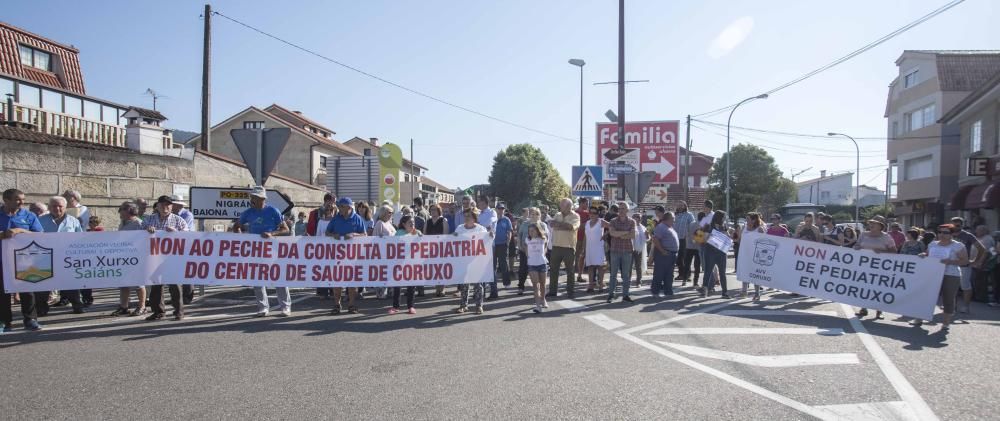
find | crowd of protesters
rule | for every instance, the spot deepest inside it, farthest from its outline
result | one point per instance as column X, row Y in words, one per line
column 594, row 239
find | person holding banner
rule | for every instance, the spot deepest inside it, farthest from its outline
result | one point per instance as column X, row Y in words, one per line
column 383, row 228
column 408, row 228
column 346, row 225
column 16, row 221
column 714, row 255
column 875, row 239
column 129, row 214
column 436, row 225
column 470, row 216
column 954, row 256
column 319, row 219
column 59, row 220
column 754, row 224
column 164, row 220
column 266, row 221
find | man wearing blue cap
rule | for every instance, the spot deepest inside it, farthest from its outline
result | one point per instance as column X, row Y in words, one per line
column 345, row 225
column 265, row 220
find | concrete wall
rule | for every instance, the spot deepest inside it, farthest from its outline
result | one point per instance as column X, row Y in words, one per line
column 107, row 178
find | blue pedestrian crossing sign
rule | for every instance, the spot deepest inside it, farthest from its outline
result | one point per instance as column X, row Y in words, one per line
column 588, row 180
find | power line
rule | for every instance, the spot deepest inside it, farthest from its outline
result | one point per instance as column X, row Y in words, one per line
column 851, row 55
column 809, row 153
column 868, row 153
column 389, row 82
column 817, row 136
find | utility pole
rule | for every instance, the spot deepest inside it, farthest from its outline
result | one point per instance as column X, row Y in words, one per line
column 621, row 89
column 206, row 68
column 687, row 160
column 413, row 167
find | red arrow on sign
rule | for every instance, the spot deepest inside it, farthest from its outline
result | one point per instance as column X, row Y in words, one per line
column 662, row 195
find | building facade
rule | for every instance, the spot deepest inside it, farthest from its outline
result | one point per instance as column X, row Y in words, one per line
column 835, row 189
column 306, row 153
column 42, row 87
column 923, row 153
column 978, row 120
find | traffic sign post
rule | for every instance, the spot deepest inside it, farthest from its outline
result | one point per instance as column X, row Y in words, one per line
column 260, row 149
column 649, row 146
column 588, row 180
column 229, row 203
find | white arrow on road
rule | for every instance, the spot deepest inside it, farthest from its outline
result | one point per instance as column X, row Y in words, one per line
column 792, row 360
column 663, row 167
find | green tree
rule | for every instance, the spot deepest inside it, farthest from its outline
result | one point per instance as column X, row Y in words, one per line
column 522, row 175
column 754, row 176
column 786, row 192
column 871, row 211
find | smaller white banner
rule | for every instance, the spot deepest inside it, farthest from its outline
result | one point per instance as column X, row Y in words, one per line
column 720, row 241
column 895, row 283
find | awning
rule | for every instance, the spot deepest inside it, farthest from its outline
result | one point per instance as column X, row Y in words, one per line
column 986, row 195
column 957, row 201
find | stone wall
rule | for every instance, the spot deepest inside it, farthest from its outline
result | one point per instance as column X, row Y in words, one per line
column 105, row 178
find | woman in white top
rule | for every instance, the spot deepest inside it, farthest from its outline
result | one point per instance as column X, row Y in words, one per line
column 954, row 256
column 325, row 216
column 538, row 265
column 594, row 257
column 383, row 228
column 639, row 253
column 407, row 228
column 470, row 227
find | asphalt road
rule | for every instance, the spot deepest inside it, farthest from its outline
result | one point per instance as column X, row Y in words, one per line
column 682, row 357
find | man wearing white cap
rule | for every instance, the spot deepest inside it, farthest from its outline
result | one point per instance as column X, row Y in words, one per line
column 265, row 220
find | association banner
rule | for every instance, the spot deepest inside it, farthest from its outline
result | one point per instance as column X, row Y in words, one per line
column 894, row 283
column 57, row 261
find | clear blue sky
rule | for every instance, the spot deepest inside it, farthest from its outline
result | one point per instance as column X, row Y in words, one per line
column 508, row 59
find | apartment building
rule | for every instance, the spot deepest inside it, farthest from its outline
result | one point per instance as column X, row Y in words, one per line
column 924, row 153
column 978, row 120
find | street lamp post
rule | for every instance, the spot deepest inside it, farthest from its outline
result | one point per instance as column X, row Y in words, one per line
column 580, row 63
column 857, row 175
column 728, row 156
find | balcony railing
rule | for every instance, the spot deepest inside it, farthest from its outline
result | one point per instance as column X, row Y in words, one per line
column 73, row 127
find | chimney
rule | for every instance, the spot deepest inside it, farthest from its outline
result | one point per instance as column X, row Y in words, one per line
column 822, row 174
column 373, row 141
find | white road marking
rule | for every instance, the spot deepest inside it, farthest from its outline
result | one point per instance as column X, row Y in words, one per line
column 873, row 411
column 570, row 305
column 683, row 316
column 896, row 378
column 784, row 400
column 762, row 313
column 746, row 331
column 604, row 321
column 771, row 361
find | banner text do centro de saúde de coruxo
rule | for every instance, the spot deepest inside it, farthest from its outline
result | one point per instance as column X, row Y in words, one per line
column 57, row 261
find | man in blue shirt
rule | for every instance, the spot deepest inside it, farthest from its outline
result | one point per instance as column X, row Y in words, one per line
column 57, row 220
column 14, row 221
column 265, row 220
column 502, row 236
column 345, row 225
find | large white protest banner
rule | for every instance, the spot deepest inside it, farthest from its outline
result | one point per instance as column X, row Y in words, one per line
column 57, row 261
column 895, row 283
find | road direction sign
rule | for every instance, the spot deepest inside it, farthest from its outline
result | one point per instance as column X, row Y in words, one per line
column 650, row 146
column 588, row 180
column 229, row 203
column 656, row 194
column 618, row 168
column 260, row 149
